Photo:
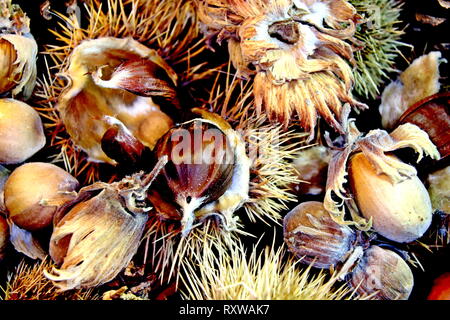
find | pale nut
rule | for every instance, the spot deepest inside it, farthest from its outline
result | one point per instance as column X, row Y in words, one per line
column 400, row 211
column 21, row 131
column 34, row 191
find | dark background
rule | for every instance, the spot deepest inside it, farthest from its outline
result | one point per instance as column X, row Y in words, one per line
column 424, row 38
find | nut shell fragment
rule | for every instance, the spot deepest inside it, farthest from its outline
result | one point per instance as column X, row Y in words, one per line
column 96, row 235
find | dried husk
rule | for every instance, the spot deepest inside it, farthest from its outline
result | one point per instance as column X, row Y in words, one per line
column 315, row 238
column 399, row 211
column 18, row 63
column 86, row 101
column 383, row 275
column 418, row 81
column 25, row 242
column 18, row 52
column 438, row 188
column 34, row 191
column 96, row 235
column 21, row 131
column 432, row 115
column 293, row 75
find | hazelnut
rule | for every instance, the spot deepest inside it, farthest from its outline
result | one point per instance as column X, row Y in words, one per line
column 34, row 191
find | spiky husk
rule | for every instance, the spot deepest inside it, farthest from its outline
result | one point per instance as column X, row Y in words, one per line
column 27, row 282
column 169, row 27
column 263, row 274
column 271, row 148
column 169, row 252
column 380, row 35
column 297, row 80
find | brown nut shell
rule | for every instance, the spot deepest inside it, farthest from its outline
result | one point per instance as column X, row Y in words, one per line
column 34, row 191
column 314, row 237
column 383, row 274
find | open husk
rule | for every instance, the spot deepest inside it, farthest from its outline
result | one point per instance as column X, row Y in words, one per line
column 276, row 41
column 96, row 235
column 167, row 29
column 86, row 103
column 18, row 52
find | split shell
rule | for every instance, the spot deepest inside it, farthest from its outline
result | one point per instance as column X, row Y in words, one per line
column 21, row 131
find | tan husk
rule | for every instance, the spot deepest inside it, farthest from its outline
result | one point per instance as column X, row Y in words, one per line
column 21, row 131
column 25, row 242
column 95, row 236
column 18, row 52
column 438, row 188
